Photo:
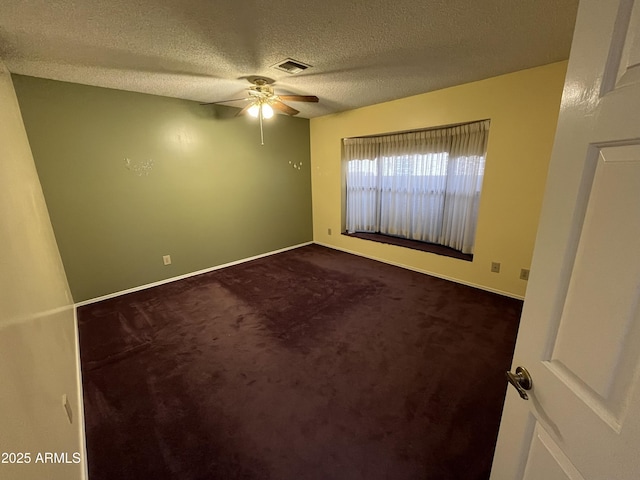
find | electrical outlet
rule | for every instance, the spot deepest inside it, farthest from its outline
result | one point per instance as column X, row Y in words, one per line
column 524, row 274
column 495, row 267
column 166, row 259
column 329, row 231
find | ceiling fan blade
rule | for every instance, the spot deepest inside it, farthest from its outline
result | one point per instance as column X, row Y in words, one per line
column 299, row 98
column 226, row 101
column 244, row 110
column 278, row 105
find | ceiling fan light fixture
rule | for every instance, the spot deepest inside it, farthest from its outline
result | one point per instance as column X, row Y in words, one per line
column 254, row 110
column 267, row 111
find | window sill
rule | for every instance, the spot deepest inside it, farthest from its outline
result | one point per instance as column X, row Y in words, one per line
column 413, row 244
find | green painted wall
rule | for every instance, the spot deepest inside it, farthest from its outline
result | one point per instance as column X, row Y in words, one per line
column 212, row 196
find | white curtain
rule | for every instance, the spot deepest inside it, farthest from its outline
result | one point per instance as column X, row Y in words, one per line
column 420, row 185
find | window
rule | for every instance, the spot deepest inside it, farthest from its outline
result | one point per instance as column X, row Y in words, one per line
column 422, row 185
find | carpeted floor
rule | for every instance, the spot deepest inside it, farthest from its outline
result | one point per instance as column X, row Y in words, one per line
column 310, row 364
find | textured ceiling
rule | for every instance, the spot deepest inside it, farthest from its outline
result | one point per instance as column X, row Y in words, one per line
column 362, row 52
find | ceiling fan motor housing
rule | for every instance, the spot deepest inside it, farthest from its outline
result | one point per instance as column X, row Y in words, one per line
column 261, row 89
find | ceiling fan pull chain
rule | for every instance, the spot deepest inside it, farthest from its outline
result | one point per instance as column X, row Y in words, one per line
column 261, row 133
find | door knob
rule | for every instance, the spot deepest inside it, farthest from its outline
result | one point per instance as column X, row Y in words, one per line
column 521, row 380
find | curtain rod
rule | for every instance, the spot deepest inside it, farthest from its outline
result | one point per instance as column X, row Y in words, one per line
column 426, row 129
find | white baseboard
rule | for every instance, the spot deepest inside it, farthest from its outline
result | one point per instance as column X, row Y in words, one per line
column 80, row 392
column 186, row 275
column 237, row 262
column 426, row 272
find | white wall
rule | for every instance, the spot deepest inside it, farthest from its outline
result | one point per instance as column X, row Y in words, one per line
column 38, row 348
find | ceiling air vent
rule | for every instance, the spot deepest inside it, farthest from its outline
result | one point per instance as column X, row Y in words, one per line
column 291, row 66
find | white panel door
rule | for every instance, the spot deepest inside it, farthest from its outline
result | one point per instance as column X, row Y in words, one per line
column 580, row 329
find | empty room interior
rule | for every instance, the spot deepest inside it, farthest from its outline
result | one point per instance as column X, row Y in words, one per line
column 193, row 283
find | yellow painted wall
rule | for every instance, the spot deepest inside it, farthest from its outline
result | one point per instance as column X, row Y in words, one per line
column 523, row 108
column 38, row 354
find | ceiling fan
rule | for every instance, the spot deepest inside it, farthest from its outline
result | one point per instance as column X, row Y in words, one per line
column 262, row 101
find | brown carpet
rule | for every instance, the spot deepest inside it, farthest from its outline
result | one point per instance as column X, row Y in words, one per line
column 309, row 364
